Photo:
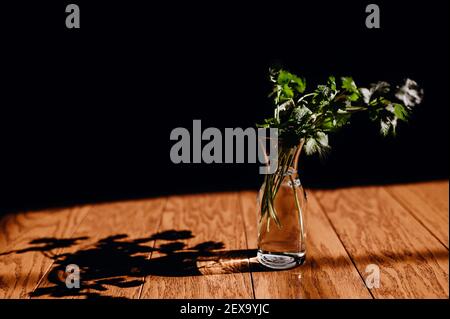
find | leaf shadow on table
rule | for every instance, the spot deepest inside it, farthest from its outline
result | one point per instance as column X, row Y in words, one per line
column 124, row 262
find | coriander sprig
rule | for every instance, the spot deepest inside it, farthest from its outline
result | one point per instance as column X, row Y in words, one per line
column 312, row 116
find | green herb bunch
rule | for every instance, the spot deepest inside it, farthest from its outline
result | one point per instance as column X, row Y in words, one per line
column 312, row 116
column 308, row 117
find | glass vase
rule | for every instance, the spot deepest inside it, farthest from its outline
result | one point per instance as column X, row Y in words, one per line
column 281, row 213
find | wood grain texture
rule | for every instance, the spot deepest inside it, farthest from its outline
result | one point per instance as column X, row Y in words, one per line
column 208, row 258
column 428, row 202
column 376, row 229
column 204, row 246
column 328, row 271
column 112, row 253
column 21, row 267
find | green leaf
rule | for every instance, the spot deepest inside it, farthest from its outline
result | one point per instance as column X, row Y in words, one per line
column 286, row 78
column 400, row 112
column 332, row 82
column 348, row 84
column 300, row 84
column 287, row 92
column 350, row 87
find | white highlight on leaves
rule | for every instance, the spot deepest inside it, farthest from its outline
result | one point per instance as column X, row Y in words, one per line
column 410, row 93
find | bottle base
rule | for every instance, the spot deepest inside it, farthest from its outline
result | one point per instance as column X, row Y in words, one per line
column 280, row 260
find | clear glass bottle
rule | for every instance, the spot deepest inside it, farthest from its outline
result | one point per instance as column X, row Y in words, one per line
column 281, row 214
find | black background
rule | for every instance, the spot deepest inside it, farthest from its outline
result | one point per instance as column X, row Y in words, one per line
column 86, row 114
column 278, row 308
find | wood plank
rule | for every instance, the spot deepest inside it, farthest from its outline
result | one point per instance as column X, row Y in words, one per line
column 21, row 268
column 205, row 257
column 113, row 255
column 376, row 229
column 428, row 202
column 328, row 271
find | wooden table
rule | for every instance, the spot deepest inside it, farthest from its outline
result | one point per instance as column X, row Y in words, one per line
column 203, row 246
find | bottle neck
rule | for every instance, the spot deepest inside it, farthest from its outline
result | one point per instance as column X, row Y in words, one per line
column 288, row 158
